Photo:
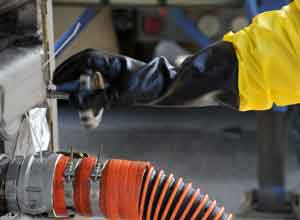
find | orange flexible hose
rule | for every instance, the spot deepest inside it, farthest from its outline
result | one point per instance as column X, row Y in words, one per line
column 145, row 187
column 58, row 199
column 82, row 186
column 122, row 181
column 200, row 207
column 182, row 197
column 162, row 195
column 136, row 191
column 190, row 204
column 153, row 194
column 132, row 190
column 218, row 216
column 170, row 201
column 209, row 210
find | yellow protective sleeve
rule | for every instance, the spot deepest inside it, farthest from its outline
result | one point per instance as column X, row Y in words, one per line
column 268, row 52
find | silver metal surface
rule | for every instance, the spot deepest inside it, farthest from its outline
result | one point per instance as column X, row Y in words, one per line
column 30, row 181
column 26, row 217
column 95, row 197
column 12, row 184
column 22, row 84
column 4, row 164
column 34, row 189
column 69, row 184
column 96, row 187
column 26, row 65
column 69, row 193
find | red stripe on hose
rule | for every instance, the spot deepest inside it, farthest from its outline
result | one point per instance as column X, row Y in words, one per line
column 182, row 197
column 200, row 206
column 190, row 204
column 209, row 210
column 162, row 195
column 145, row 188
column 218, row 216
column 156, row 184
column 172, row 197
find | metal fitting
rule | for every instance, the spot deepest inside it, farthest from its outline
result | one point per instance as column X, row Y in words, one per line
column 35, row 183
column 95, row 184
column 4, row 163
column 12, row 184
column 69, row 182
column 30, row 181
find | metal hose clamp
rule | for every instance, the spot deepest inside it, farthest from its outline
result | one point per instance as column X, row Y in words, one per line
column 69, row 183
column 95, row 182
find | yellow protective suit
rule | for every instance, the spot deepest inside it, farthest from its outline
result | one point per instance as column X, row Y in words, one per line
column 268, row 52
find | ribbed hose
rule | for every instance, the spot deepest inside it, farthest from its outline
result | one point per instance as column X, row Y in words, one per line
column 137, row 191
column 167, row 198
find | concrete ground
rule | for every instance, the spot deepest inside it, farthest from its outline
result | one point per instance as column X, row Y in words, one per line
column 213, row 148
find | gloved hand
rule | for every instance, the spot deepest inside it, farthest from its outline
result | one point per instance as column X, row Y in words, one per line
column 127, row 81
column 207, row 78
column 252, row 69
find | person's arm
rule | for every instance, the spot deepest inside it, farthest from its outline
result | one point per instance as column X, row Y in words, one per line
column 207, row 78
column 252, row 69
column 269, row 59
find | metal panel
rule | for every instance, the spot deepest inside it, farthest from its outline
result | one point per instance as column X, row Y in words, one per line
column 27, row 64
column 46, row 26
column 22, row 85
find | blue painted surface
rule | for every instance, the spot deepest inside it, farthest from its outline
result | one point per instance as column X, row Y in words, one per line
column 82, row 21
column 280, row 108
column 267, row 5
column 253, row 7
column 189, row 27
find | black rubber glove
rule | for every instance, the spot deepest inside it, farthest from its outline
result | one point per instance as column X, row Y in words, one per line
column 129, row 81
column 207, row 78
